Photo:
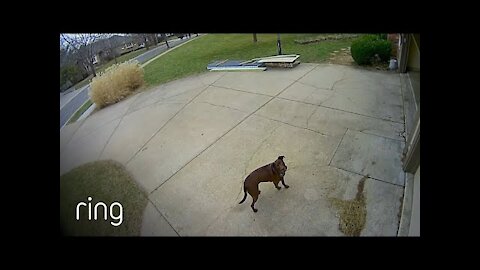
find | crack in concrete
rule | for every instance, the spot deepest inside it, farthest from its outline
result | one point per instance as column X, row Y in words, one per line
column 115, row 129
column 337, row 81
column 258, row 115
column 403, row 134
column 154, row 205
column 308, row 119
column 168, row 121
column 222, row 106
column 233, row 89
column 256, row 150
column 163, row 86
column 365, row 131
column 234, row 203
column 228, row 131
column 205, row 88
column 400, row 210
column 73, row 135
column 94, row 130
column 380, row 180
column 161, row 100
column 338, row 145
column 369, row 116
column 316, row 87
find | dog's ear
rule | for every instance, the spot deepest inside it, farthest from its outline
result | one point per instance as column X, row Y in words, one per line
column 281, row 157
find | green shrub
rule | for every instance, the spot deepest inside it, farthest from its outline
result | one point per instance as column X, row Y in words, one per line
column 382, row 36
column 70, row 73
column 116, row 83
column 365, row 48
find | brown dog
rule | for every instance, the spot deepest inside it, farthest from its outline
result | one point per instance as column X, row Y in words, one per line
column 273, row 172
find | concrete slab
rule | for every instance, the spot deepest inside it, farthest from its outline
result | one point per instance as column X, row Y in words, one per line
column 387, row 85
column 367, row 102
column 384, row 203
column 208, row 78
column 363, row 76
column 377, row 86
column 86, row 148
column 175, row 91
column 210, row 187
column 191, row 131
column 324, row 76
column 175, row 96
column 136, row 129
column 255, row 82
column 188, row 83
column 67, row 132
column 147, row 98
column 305, row 93
column 376, row 94
column 165, row 94
column 154, row 224
column 376, row 156
column 287, row 111
column 103, row 117
column 243, row 101
column 289, row 73
column 335, row 122
column 305, row 209
column 205, row 185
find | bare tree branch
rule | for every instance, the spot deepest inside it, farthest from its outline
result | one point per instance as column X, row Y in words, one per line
column 82, row 44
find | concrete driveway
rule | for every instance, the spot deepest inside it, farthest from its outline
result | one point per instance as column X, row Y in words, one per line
column 190, row 144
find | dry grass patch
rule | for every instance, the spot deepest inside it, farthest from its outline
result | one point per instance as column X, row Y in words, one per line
column 116, row 83
column 353, row 213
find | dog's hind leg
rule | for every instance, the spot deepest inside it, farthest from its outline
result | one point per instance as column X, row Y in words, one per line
column 255, row 198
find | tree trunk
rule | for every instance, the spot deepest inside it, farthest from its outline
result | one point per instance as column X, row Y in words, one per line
column 146, row 43
column 255, row 37
column 92, row 68
column 166, row 40
column 279, row 45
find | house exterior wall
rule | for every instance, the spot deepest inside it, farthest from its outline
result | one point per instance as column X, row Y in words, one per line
column 413, row 62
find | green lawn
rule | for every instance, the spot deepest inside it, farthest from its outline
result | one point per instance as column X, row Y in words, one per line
column 80, row 111
column 83, row 82
column 194, row 57
column 107, row 182
column 122, row 59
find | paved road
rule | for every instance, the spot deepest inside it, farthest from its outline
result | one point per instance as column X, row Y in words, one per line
column 160, row 49
column 68, row 109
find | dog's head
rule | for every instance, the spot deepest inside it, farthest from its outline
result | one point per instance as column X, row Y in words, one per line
column 280, row 166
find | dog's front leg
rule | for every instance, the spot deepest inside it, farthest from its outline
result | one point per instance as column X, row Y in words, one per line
column 283, row 183
column 276, row 185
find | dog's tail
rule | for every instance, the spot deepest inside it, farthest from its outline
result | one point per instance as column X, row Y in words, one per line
column 244, row 195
